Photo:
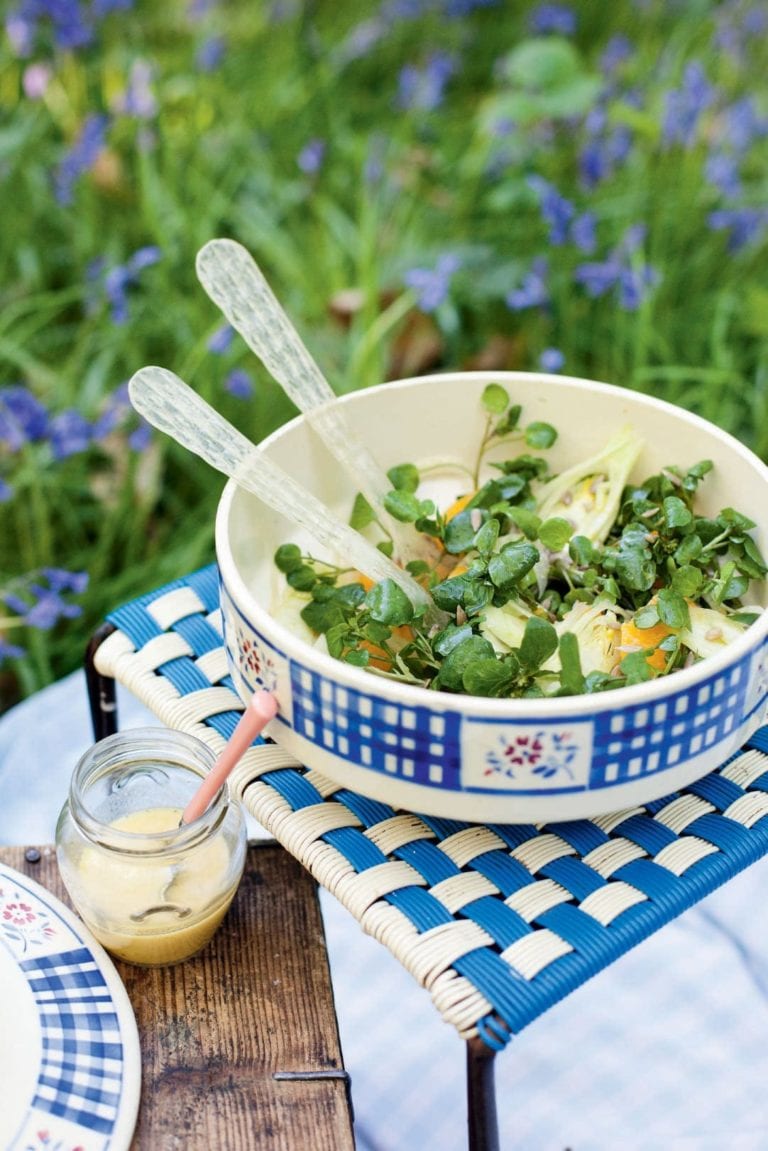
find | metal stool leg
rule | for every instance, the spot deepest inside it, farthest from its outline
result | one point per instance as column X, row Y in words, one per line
column 481, row 1097
column 101, row 688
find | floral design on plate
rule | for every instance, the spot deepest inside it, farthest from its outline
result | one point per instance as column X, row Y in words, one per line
column 255, row 660
column 526, row 757
column 25, row 924
column 546, row 754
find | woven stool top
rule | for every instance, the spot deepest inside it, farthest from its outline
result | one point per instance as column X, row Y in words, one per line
column 498, row 921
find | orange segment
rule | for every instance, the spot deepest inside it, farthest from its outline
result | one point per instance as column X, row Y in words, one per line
column 379, row 658
column 634, row 636
column 458, row 506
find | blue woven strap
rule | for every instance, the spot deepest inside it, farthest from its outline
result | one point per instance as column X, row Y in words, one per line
column 566, row 860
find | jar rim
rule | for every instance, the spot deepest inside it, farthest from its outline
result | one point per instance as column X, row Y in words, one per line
column 147, row 745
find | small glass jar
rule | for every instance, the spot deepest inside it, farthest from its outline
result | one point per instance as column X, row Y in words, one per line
column 151, row 890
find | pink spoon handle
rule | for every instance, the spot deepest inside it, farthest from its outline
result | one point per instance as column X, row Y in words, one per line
column 261, row 709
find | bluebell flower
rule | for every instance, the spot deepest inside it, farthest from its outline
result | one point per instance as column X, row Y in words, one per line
column 583, row 232
column 606, row 148
column 551, row 360
column 101, row 8
column 36, row 79
column 745, row 226
column 121, row 277
column 59, row 579
column 743, row 124
column 21, row 31
column 140, row 439
column 423, row 89
column 621, row 271
column 115, row 411
column 138, row 99
column 457, row 9
column 210, row 53
column 23, row 418
column 617, row 51
column 81, row 157
column 310, row 158
column 722, row 171
column 685, row 105
column 533, row 292
column 433, row 284
column 555, row 209
column 69, row 433
column 239, row 383
column 49, row 607
column 221, row 340
column 552, row 18
column 41, row 605
column 6, row 491
column 10, row 651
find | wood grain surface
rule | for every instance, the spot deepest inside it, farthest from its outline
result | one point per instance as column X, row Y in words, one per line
column 240, row 1047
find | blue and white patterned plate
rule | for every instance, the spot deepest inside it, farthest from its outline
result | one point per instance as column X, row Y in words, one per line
column 70, row 1063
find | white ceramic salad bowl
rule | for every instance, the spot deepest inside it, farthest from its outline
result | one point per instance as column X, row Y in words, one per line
column 466, row 757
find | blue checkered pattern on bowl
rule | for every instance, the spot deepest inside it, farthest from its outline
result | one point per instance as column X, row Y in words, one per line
column 498, row 921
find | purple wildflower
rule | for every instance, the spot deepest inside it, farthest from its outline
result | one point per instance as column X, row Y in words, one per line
column 23, row 419
column 221, row 340
column 35, row 80
column 81, row 157
column 70, row 433
column 310, row 158
column 101, row 8
column 743, row 124
column 6, row 491
column 59, row 579
column 138, row 99
column 555, row 209
column 140, row 439
column 10, row 651
column 745, row 226
column 115, row 410
column 618, row 50
column 121, row 277
column 552, row 18
column 629, row 276
column 551, row 360
column 685, row 105
column 533, row 292
column 423, row 89
column 211, row 53
column 433, row 284
column 239, row 383
column 42, row 605
column 456, row 9
column 722, row 171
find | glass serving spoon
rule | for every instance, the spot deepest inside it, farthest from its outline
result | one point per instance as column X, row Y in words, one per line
column 235, row 283
column 170, row 405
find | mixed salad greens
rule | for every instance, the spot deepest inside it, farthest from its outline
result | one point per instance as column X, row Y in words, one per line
column 545, row 584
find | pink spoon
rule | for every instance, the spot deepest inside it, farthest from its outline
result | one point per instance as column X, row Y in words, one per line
column 261, row 709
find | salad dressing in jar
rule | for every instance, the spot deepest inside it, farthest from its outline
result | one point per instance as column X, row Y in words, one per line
column 153, row 891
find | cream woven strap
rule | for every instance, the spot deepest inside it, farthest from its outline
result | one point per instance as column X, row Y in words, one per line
column 498, row 922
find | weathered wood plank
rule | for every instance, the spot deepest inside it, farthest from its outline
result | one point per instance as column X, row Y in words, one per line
column 223, row 1034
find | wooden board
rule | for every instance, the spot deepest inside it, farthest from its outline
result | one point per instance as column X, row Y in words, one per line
column 240, row 1047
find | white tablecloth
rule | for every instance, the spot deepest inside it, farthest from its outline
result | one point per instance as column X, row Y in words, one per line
column 667, row 1049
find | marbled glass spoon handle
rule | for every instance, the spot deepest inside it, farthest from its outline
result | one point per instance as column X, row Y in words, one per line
column 235, row 283
column 174, row 408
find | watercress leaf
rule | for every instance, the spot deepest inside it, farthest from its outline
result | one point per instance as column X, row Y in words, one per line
column 376, row 633
column 635, row 668
column 571, row 675
column 753, row 552
column 495, row 399
column 555, row 532
column 735, row 587
column 337, row 639
column 635, row 567
column 450, row 637
column 418, row 567
column 730, row 518
column 460, row 533
column 358, row 656
column 388, row 603
column 449, row 594
column 452, row 669
column 477, row 596
column 527, row 521
column 288, row 558
column 539, row 642
column 508, row 421
column 676, row 514
column 514, row 561
column 320, row 617
column 646, row 617
column 581, row 550
column 687, row 581
column 672, row 608
column 362, row 513
column 488, row 677
column 688, row 549
column 486, row 537
column 403, row 506
column 302, row 578
column 540, row 435
column 404, row 477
